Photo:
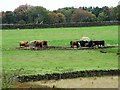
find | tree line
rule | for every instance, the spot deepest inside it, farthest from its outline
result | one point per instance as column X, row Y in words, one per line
column 27, row 14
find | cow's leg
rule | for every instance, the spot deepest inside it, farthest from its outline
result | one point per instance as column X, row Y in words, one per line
column 78, row 46
column 45, row 46
column 41, row 45
column 72, row 46
column 20, row 45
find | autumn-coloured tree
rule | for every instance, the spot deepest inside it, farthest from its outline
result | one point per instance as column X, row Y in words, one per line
column 61, row 18
column 80, row 15
column 53, row 18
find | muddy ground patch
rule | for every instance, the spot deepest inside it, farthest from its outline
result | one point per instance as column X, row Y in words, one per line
column 63, row 48
column 82, row 82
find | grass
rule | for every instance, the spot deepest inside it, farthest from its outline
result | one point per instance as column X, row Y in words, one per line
column 60, row 36
column 34, row 62
column 50, row 61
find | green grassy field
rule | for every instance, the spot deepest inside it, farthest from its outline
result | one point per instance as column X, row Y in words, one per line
column 50, row 61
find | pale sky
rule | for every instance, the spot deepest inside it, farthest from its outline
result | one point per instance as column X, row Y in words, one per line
column 10, row 5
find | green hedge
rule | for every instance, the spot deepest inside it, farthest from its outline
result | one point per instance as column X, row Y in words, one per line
column 68, row 75
column 31, row 26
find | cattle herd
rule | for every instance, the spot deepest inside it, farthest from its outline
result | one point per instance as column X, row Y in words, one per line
column 91, row 43
column 84, row 42
column 87, row 42
column 34, row 44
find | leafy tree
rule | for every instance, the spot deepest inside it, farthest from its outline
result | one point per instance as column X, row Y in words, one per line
column 0, row 21
column 113, row 14
column 106, row 12
column 61, row 18
column 90, row 9
column 118, row 13
column 2, row 16
column 37, row 14
column 102, row 16
column 53, row 18
column 21, row 13
column 8, row 17
column 96, row 11
column 80, row 15
column 25, row 14
column 93, row 17
column 67, row 11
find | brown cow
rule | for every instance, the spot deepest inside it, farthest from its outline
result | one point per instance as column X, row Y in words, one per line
column 44, row 43
column 40, row 43
column 24, row 43
column 74, row 43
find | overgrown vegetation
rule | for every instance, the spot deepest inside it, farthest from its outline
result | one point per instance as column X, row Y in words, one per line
column 8, row 79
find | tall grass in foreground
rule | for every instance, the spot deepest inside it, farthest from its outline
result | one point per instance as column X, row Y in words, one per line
column 8, row 79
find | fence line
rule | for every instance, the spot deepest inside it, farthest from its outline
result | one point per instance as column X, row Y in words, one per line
column 58, row 25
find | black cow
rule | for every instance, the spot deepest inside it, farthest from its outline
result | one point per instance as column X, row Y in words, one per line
column 90, row 43
column 83, row 43
column 99, row 43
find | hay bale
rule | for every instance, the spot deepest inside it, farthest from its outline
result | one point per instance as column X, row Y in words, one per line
column 85, row 39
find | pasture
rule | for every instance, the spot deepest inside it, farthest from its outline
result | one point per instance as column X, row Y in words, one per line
column 58, row 61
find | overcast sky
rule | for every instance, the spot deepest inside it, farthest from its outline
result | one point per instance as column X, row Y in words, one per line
column 10, row 5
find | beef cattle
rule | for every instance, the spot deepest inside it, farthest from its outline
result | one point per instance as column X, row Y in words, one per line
column 44, row 43
column 74, row 43
column 82, row 43
column 40, row 43
column 24, row 44
column 99, row 43
column 91, row 43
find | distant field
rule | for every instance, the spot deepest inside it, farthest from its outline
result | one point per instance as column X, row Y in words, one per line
column 49, row 61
